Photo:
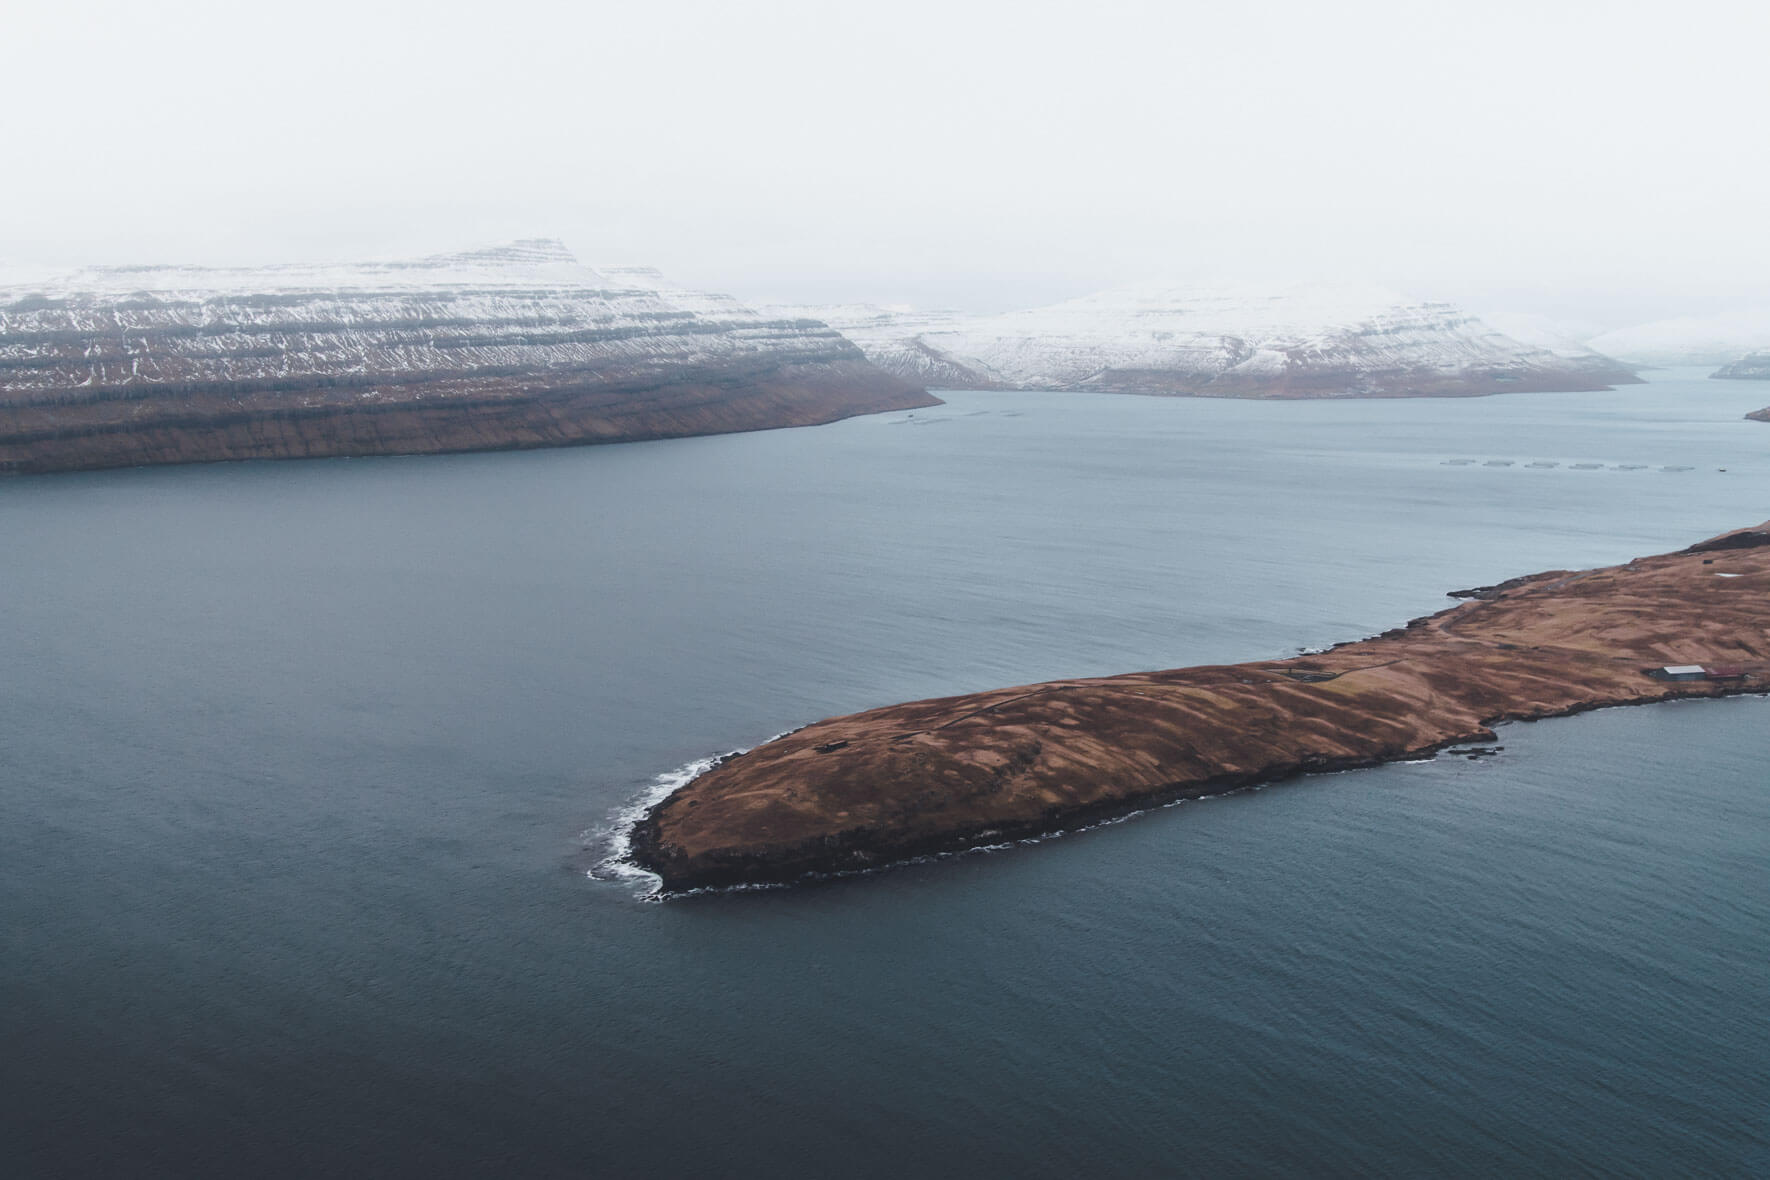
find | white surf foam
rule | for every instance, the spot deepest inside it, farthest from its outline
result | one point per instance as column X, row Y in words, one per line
column 616, row 837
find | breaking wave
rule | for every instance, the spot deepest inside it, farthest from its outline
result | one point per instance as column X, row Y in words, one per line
column 616, row 862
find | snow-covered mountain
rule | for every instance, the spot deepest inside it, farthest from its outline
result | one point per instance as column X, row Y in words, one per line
column 1540, row 331
column 1753, row 366
column 514, row 346
column 1690, row 340
column 892, row 338
column 1236, row 341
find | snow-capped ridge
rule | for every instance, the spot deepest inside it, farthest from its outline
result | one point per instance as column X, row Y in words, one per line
column 1231, row 339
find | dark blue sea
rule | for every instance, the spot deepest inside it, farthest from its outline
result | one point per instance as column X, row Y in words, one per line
column 304, row 768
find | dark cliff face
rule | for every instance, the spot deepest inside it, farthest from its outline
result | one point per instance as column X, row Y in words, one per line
column 507, row 348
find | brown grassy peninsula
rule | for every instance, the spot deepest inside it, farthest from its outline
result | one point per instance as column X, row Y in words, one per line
column 940, row 775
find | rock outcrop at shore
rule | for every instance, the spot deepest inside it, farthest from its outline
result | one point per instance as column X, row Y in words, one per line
column 1222, row 341
column 866, row 790
column 513, row 347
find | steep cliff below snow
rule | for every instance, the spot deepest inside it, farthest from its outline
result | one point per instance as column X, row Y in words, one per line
column 512, row 347
column 1288, row 342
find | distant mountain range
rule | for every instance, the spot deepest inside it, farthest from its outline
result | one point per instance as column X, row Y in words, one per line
column 1738, row 341
column 511, row 347
column 1717, row 339
column 1226, row 341
column 1753, row 366
column 520, row 346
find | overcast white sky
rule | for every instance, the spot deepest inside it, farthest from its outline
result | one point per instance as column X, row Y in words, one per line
column 1598, row 161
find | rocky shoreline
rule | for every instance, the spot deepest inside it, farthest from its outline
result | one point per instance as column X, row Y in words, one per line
column 907, row 781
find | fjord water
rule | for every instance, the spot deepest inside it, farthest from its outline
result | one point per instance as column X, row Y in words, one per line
column 302, row 766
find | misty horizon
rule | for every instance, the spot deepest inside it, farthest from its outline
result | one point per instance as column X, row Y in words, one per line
column 980, row 295
column 1582, row 162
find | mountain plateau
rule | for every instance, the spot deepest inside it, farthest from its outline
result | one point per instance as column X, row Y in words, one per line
column 511, row 347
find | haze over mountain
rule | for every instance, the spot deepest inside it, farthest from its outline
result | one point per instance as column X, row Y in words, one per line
column 1712, row 339
column 514, row 346
column 1238, row 340
column 978, row 154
